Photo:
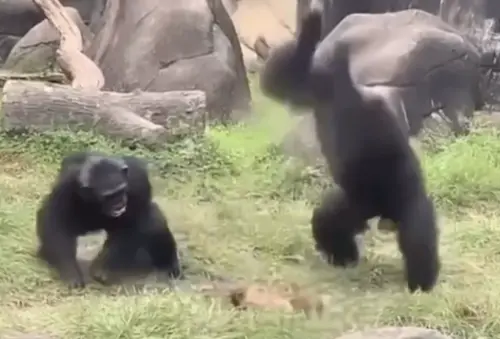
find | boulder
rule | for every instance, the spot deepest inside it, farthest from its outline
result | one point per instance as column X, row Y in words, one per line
column 231, row 6
column 461, row 13
column 336, row 10
column 417, row 62
column 493, row 9
column 423, row 67
column 164, row 45
column 17, row 17
column 35, row 51
column 7, row 42
column 396, row 333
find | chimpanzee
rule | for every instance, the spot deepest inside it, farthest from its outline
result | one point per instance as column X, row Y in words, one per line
column 367, row 151
column 93, row 192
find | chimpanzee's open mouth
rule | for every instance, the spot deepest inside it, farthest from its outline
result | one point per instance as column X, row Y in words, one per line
column 119, row 211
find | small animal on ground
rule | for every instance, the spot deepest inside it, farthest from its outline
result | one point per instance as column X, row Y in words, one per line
column 367, row 152
column 94, row 192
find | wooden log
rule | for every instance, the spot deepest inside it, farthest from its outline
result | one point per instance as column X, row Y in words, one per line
column 39, row 76
column 40, row 106
column 180, row 112
column 83, row 72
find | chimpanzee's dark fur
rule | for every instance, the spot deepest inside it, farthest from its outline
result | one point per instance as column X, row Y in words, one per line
column 74, row 207
column 367, row 152
column 337, row 239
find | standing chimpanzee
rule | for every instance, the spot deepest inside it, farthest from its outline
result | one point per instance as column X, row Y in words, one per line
column 368, row 154
column 97, row 192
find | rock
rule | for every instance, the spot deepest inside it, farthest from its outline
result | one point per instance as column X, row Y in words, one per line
column 396, row 333
column 461, row 13
column 478, row 20
column 492, row 7
column 231, row 6
column 35, row 51
column 182, row 45
column 334, row 11
column 415, row 61
column 7, row 42
column 17, row 17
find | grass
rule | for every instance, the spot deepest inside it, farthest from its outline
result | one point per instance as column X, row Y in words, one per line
column 242, row 211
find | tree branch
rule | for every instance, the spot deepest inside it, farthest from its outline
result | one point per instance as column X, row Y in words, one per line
column 82, row 71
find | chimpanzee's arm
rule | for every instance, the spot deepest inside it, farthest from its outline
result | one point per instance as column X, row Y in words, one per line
column 58, row 241
column 58, row 249
column 160, row 243
column 118, row 255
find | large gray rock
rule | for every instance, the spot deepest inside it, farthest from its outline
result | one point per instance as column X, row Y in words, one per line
column 396, row 333
column 416, row 62
column 336, row 10
column 457, row 12
column 493, row 8
column 478, row 20
column 7, row 42
column 35, row 51
column 164, row 45
column 17, row 17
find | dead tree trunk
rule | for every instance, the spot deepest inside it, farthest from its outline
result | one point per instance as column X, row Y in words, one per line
column 82, row 71
column 146, row 116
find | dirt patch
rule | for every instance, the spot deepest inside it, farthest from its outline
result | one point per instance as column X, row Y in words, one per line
column 268, row 296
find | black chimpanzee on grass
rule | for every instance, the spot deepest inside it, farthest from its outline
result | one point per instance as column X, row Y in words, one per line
column 367, row 152
column 96, row 192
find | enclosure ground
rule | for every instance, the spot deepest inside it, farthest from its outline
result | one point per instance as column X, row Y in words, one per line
column 242, row 212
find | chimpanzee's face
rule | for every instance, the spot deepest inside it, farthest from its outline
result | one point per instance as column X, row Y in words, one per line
column 108, row 185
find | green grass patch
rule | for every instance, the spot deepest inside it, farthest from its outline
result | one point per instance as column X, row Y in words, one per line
column 242, row 210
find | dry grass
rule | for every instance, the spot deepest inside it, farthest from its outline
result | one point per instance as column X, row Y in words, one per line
column 253, row 223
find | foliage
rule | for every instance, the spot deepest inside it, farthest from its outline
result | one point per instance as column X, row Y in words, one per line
column 242, row 210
